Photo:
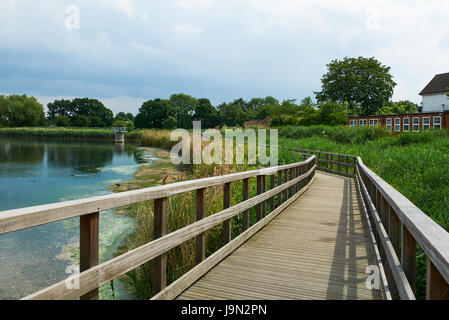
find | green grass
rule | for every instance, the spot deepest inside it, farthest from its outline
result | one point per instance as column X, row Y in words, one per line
column 59, row 132
column 416, row 164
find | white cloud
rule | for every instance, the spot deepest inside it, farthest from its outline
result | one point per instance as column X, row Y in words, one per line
column 195, row 4
column 126, row 7
column 187, row 29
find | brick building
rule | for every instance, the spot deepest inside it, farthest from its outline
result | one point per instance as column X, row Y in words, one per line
column 412, row 122
column 435, row 107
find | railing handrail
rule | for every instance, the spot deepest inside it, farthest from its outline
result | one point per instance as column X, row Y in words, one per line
column 432, row 238
column 17, row 219
column 307, row 151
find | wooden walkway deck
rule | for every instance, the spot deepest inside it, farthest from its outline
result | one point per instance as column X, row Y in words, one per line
column 318, row 248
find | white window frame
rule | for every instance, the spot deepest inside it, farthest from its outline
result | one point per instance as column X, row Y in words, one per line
column 415, row 124
column 389, row 124
column 405, row 125
column 425, row 126
column 373, row 122
column 397, row 126
column 353, row 123
column 439, row 122
column 363, row 123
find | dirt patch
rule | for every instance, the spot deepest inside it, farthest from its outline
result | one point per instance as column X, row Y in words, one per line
column 161, row 171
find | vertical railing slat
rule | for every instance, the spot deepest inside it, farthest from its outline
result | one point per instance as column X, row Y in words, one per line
column 160, row 229
column 436, row 287
column 409, row 256
column 279, row 183
column 200, row 244
column 245, row 197
column 272, row 199
column 226, row 234
column 89, row 250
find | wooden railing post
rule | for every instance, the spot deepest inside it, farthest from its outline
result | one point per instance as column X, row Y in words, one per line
column 279, row 183
column 395, row 230
column 89, row 239
column 347, row 164
column 297, row 174
column 272, row 200
column 245, row 197
column 436, row 287
column 200, row 244
column 409, row 256
column 264, row 203
column 285, row 180
column 160, row 230
column 291, row 178
column 226, row 204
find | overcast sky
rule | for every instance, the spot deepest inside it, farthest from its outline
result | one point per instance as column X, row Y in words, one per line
column 126, row 51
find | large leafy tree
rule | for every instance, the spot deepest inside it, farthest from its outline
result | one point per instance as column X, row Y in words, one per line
column 364, row 83
column 183, row 108
column 94, row 110
column 153, row 113
column 231, row 114
column 206, row 113
column 60, row 108
column 21, row 111
column 80, row 112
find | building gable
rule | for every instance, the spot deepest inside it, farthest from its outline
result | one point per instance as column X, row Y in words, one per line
column 438, row 84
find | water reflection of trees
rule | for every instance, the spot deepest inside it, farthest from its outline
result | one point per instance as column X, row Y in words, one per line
column 19, row 152
column 85, row 158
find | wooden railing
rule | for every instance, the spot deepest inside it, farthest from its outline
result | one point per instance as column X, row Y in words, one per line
column 398, row 226
column 342, row 164
column 287, row 183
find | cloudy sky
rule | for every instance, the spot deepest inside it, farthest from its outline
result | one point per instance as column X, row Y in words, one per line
column 127, row 51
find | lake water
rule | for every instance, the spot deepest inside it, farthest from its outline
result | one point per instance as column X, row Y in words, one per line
column 39, row 172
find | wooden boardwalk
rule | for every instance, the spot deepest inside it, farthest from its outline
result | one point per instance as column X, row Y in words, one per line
column 316, row 244
column 318, row 248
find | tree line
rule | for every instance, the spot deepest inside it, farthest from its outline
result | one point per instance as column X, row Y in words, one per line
column 350, row 87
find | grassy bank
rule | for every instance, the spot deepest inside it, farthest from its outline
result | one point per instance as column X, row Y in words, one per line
column 416, row 164
column 60, row 133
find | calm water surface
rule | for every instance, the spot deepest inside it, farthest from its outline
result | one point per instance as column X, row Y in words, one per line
column 39, row 172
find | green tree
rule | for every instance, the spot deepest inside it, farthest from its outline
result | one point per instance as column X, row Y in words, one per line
column 364, row 83
column 62, row 121
column 94, row 110
column 183, row 108
column 60, row 108
column 206, row 113
column 21, row 111
column 128, row 124
column 170, row 123
column 152, row 113
column 82, row 112
column 231, row 114
column 399, row 107
column 130, row 116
